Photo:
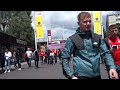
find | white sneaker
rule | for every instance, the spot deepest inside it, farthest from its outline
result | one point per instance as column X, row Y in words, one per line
column 19, row 69
column 8, row 70
column 5, row 71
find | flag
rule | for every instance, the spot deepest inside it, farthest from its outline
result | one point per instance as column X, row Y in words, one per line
column 39, row 25
column 49, row 37
column 97, row 22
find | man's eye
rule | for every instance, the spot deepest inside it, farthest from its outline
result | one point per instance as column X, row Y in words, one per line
column 90, row 21
column 87, row 21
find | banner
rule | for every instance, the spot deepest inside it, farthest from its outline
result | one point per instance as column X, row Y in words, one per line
column 49, row 37
column 111, row 20
column 97, row 22
column 56, row 45
column 39, row 25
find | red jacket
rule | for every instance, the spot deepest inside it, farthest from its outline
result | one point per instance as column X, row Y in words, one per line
column 55, row 52
column 41, row 53
column 116, row 54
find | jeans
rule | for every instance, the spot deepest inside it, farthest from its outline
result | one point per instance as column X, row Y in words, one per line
column 7, row 63
column 52, row 60
column 55, row 59
column 2, row 63
column 41, row 59
column 29, row 61
column 15, row 63
column 19, row 62
column 36, row 63
column 48, row 59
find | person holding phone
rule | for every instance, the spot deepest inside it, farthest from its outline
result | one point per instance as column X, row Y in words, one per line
column 113, row 43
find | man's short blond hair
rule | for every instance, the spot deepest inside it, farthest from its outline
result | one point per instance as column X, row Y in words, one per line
column 83, row 15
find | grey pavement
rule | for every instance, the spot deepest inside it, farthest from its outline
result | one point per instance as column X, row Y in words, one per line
column 103, row 71
column 43, row 72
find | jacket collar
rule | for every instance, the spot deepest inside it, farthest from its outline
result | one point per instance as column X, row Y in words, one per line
column 82, row 33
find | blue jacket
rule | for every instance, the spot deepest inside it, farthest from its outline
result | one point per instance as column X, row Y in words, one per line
column 86, row 62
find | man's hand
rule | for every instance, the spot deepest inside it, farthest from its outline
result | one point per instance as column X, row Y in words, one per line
column 112, row 50
column 74, row 77
column 113, row 74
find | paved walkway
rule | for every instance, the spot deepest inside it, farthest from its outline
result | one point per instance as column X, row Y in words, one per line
column 43, row 72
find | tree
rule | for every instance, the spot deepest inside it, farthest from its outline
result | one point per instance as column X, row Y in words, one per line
column 20, row 26
column 5, row 17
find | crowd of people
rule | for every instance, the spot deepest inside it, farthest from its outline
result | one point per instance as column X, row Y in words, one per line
column 8, row 58
column 41, row 55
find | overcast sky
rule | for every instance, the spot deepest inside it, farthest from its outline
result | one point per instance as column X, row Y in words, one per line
column 60, row 22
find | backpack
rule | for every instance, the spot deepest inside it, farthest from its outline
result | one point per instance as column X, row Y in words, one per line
column 79, row 44
column 107, row 43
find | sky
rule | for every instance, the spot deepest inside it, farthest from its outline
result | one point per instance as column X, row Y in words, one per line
column 64, row 23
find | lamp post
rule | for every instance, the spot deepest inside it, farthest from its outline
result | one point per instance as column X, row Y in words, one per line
column 35, row 32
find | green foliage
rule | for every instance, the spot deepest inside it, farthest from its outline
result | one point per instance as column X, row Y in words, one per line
column 5, row 17
column 18, row 24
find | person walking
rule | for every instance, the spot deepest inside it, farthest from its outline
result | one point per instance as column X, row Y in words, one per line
column 29, row 56
column 8, row 56
column 14, row 59
column 42, row 56
column 36, row 58
column 19, row 58
column 86, row 47
column 113, row 43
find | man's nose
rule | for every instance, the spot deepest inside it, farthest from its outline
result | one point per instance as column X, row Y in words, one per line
column 88, row 23
column 114, row 32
